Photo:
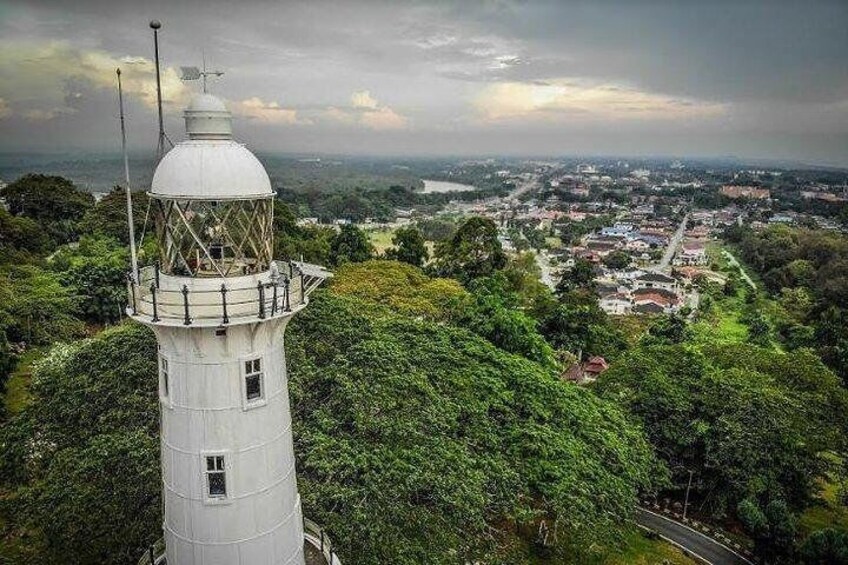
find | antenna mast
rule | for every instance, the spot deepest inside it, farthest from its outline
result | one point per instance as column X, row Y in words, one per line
column 160, row 147
column 130, row 221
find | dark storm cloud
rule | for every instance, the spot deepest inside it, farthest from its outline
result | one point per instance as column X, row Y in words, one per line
column 755, row 78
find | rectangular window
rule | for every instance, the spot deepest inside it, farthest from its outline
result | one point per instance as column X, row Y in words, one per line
column 216, row 477
column 163, row 377
column 253, row 377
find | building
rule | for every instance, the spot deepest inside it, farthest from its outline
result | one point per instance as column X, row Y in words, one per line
column 219, row 306
column 616, row 303
column 654, row 281
column 691, row 253
column 751, row 192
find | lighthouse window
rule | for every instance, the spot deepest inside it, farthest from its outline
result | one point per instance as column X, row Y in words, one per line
column 163, row 377
column 216, row 476
column 253, row 379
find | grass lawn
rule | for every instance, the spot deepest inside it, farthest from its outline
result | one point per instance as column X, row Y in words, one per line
column 641, row 550
column 827, row 511
column 17, row 387
column 634, row 326
column 381, row 239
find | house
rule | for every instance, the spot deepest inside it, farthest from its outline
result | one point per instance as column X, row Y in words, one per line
column 655, row 301
column 656, row 280
column 583, row 373
column 616, row 303
column 691, row 253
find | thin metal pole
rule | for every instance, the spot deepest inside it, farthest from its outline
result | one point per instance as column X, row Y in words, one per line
column 686, row 503
column 153, row 296
column 133, row 256
column 261, row 299
column 224, row 303
column 187, row 320
column 155, row 25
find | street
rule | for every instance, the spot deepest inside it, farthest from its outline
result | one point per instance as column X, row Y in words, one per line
column 672, row 245
column 696, row 543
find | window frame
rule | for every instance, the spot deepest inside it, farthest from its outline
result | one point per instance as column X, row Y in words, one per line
column 227, row 472
column 165, row 381
column 245, row 373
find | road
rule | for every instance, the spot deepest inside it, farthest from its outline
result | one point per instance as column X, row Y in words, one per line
column 734, row 263
column 696, row 543
column 672, row 245
column 545, row 268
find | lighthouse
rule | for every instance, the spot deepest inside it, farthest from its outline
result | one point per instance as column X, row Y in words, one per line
column 219, row 305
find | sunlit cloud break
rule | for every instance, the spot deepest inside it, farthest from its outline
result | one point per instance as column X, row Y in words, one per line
column 576, row 98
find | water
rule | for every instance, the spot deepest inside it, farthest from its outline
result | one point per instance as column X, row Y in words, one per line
column 443, row 186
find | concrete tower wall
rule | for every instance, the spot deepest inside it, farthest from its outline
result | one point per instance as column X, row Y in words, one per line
column 205, row 413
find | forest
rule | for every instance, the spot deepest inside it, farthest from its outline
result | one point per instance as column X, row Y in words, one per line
column 431, row 421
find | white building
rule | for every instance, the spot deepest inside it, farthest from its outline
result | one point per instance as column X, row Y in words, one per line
column 219, row 306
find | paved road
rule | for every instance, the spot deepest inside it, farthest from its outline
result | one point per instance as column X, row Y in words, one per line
column 734, row 263
column 672, row 245
column 696, row 543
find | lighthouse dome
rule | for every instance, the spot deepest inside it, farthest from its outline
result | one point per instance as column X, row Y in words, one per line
column 210, row 165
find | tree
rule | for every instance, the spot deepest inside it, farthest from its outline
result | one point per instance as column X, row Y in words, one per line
column 21, row 238
column 54, row 202
column 448, row 448
column 108, row 217
column 751, row 422
column 350, row 244
column 473, row 251
column 668, row 330
column 581, row 276
column 577, row 323
column 825, row 547
column 409, row 247
column 96, row 268
column 617, row 260
column 36, row 308
column 87, row 445
column 294, row 242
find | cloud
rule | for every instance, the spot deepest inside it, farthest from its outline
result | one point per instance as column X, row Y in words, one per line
column 367, row 112
column 36, row 78
column 269, row 112
column 581, row 98
column 5, row 111
column 383, row 119
column 363, row 99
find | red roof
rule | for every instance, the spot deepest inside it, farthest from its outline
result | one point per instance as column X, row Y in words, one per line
column 596, row 365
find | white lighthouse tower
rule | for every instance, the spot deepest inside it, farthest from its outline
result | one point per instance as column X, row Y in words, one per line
column 219, row 306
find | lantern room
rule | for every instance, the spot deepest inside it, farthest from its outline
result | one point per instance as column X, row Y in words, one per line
column 212, row 200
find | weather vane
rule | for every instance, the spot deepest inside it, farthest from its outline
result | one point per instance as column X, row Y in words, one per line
column 193, row 73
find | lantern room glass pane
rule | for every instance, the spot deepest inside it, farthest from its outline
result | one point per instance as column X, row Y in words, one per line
column 214, row 238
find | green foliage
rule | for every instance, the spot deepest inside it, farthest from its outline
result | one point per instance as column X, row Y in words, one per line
column 772, row 529
column 577, row 323
column 436, row 229
column 418, row 442
column 668, row 330
column 293, row 242
column 108, row 217
column 96, row 270
column 825, row 547
column 494, row 315
column 54, row 202
column 35, row 307
column 409, row 247
column 617, row 260
column 21, row 238
column 350, row 245
column 473, row 251
column 751, row 422
column 579, row 277
column 402, row 287
column 82, row 460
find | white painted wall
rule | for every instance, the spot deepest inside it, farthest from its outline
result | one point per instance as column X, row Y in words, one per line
column 260, row 521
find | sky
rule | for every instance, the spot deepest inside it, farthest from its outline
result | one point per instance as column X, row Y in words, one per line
column 685, row 78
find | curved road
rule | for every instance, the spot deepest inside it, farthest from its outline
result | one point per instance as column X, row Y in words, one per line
column 696, row 543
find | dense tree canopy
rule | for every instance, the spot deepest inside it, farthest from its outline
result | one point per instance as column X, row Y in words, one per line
column 408, row 247
column 81, row 461
column 422, row 443
column 750, row 422
column 54, row 202
column 472, row 251
column 350, row 245
column 108, row 217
